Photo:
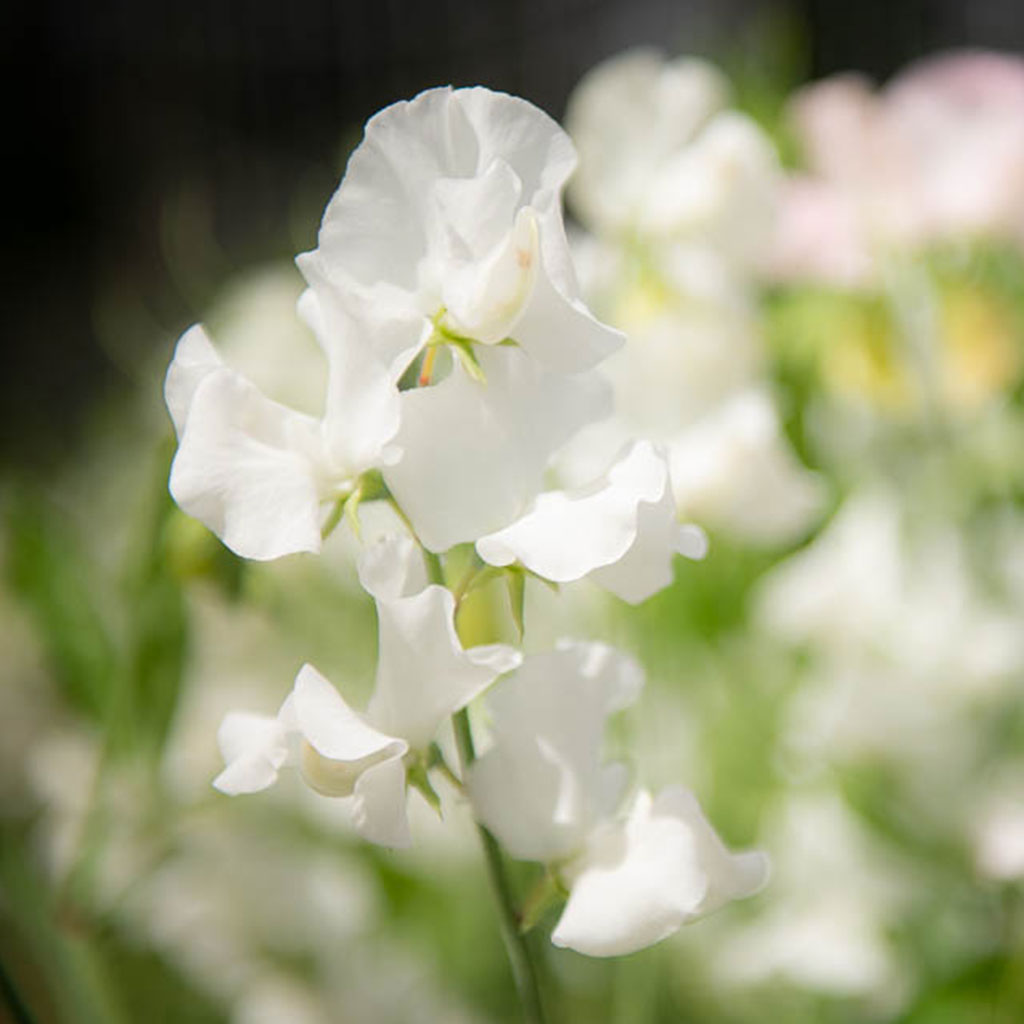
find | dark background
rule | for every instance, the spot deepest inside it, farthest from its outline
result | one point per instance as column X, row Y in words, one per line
column 155, row 147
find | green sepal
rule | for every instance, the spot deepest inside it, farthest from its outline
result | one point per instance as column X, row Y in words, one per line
column 546, row 892
column 463, row 349
column 515, row 580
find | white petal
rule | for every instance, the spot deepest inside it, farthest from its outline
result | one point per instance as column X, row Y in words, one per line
column 254, row 748
column 392, row 567
column 361, row 408
column 331, row 727
column 382, row 224
column 641, row 879
column 561, row 333
column 473, row 454
column 485, row 297
column 423, row 673
column 624, row 531
column 541, row 785
column 378, row 809
column 194, row 359
column 250, row 469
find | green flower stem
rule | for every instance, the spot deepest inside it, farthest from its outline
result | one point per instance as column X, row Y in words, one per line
column 523, row 970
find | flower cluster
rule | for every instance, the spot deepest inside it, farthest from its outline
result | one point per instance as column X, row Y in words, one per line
column 460, row 360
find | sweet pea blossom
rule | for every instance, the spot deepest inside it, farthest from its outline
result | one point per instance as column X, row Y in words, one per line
column 259, row 474
column 424, row 675
column 620, row 531
column 680, row 194
column 636, row 871
column 661, row 156
column 445, row 234
column 447, row 231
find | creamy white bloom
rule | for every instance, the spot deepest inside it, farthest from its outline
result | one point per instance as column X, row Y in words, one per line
column 423, row 676
column 447, row 229
column 449, row 215
column 734, row 469
column 635, row 872
column 258, row 473
column 639, row 879
column 445, row 233
column 660, row 155
column 621, row 531
column 680, row 193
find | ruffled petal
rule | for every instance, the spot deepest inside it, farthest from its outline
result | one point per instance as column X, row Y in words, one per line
column 623, row 531
column 254, row 748
column 541, row 786
column 473, row 454
column 248, row 468
column 392, row 567
column 194, row 359
column 331, row 727
column 641, row 879
column 379, row 808
column 362, row 408
column 560, row 332
column 423, row 673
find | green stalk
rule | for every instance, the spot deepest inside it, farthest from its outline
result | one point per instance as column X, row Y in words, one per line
column 523, row 971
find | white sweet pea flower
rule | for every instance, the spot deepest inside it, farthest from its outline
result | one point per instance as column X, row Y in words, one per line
column 661, row 156
column 448, row 222
column 447, row 231
column 423, row 676
column 636, row 873
column 734, row 468
column 621, row 531
column 259, row 474
column 639, row 879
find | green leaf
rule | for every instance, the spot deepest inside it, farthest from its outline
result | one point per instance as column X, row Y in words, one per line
column 46, row 569
column 157, row 628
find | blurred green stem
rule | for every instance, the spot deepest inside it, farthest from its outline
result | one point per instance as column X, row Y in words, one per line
column 523, row 970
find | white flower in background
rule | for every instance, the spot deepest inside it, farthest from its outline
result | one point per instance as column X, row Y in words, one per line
column 875, row 583
column 997, row 831
column 937, row 153
column 423, row 676
column 621, row 531
column 635, row 871
column 680, row 195
column 825, row 919
column 661, row 156
column 733, row 469
column 258, row 334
